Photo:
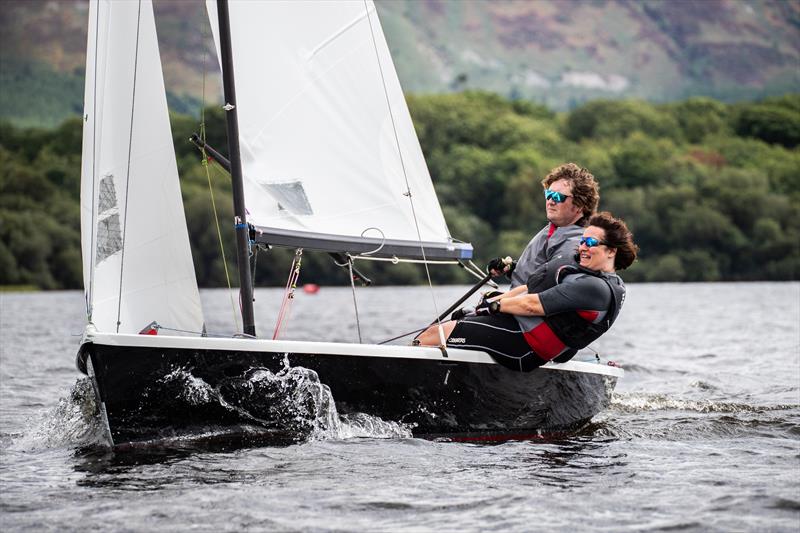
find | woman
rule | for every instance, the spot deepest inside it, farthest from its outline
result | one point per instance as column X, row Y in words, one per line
column 525, row 328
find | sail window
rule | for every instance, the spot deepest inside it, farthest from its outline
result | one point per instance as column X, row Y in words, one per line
column 108, row 195
column 291, row 196
column 109, row 236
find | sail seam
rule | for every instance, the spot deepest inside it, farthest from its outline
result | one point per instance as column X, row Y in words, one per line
column 128, row 168
column 336, row 35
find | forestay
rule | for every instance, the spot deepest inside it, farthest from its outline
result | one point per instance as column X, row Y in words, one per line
column 328, row 149
column 137, row 262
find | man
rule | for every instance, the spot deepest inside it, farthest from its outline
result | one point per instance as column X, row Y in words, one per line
column 571, row 197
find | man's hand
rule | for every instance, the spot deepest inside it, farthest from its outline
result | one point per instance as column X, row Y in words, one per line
column 501, row 265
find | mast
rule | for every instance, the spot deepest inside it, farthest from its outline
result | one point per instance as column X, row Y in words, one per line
column 242, row 230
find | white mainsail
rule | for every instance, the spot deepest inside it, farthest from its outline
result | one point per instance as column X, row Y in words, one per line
column 327, row 144
column 137, row 263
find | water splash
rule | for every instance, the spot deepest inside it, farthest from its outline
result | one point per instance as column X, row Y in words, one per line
column 292, row 399
column 74, row 422
column 638, row 402
column 191, row 390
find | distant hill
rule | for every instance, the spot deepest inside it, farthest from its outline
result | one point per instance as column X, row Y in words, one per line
column 556, row 52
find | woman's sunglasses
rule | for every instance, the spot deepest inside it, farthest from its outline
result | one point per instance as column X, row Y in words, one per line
column 591, row 242
column 556, row 196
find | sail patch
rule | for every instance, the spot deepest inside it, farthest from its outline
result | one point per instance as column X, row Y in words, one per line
column 291, row 196
column 109, row 234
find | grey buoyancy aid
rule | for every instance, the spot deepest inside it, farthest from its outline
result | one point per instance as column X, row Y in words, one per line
column 545, row 275
column 575, row 331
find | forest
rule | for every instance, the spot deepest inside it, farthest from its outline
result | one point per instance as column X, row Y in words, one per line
column 711, row 190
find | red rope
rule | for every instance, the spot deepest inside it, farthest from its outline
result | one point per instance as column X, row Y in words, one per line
column 288, row 293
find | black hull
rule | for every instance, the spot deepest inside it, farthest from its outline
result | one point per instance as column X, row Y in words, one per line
column 145, row 401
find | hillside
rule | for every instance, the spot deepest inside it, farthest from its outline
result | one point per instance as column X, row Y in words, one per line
column 710, row 190
column 556, row 52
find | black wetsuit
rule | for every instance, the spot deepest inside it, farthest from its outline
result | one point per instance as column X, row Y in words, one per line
column 591, row 297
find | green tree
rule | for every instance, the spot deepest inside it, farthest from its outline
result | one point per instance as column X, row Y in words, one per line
column 771, row 123
column 617, row 119
column 668, row 267
column 700, row 117
column 642, row 161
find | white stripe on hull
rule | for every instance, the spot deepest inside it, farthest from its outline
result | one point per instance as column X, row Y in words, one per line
column 325, row 348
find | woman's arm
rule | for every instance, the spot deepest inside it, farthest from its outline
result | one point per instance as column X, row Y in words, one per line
column 522, row 304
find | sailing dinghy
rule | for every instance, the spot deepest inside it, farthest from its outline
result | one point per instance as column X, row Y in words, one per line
column 314, row 107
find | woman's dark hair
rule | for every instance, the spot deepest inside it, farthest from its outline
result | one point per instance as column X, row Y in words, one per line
column 617, row 236
column 585, row 191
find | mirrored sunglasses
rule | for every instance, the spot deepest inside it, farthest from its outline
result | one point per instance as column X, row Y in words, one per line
column 556, row 196
column 591, row 242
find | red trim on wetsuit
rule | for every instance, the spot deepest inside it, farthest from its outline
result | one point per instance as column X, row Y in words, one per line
column 544, row 342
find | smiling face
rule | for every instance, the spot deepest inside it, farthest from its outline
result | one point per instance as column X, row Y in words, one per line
column 564, row 213
column 600, row 257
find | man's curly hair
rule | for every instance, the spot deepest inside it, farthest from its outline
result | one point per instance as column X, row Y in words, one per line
column 585, row 189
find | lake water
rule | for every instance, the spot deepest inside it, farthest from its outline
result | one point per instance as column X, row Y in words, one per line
column 703, row 433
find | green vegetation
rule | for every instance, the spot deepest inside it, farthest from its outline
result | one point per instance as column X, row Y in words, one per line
column 710, row 190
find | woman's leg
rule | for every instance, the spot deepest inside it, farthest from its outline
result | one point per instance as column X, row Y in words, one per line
column 430, row 337
column 498, row 335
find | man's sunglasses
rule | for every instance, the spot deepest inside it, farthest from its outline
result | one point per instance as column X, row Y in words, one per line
column 591, row 242
column 556, row 196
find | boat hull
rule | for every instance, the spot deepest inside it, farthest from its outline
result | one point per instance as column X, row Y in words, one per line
column 153, row 392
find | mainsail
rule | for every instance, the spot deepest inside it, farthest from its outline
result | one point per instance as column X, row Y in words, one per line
column 137, row 263
column 330, row 157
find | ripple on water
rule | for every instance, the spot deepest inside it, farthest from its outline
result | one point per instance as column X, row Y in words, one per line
column 786, row 504
column 692, row 457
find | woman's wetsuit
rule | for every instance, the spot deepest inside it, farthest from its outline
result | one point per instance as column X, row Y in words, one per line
column 580, row 308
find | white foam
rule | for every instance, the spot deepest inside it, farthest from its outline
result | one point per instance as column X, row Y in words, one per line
column 635, row 402
column 75, row 421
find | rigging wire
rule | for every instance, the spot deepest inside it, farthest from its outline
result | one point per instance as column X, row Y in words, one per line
column 219, row 233
column 128, row 169
column 405, row 176
column 255, row 267
column 395, row 260
column 92, row 253
column 210, row 187
column 158, row 327
column 355, row 304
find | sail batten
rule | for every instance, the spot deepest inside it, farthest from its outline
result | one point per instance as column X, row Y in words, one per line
column 328, row 146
